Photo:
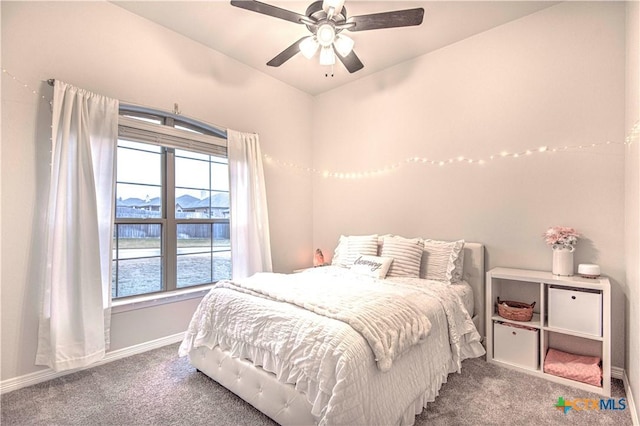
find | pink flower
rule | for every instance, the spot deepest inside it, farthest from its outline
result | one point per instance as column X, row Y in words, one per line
column 561, row 237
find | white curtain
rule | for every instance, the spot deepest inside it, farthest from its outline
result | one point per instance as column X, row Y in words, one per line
column 250, row 242
column 76, row 305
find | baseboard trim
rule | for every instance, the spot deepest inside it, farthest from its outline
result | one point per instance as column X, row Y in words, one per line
column 617, row 373
column 631, row 405
column 48, row 374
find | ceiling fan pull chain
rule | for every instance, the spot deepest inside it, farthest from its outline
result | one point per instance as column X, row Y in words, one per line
column 327, row 74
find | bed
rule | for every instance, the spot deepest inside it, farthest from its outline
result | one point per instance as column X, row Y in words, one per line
column 300, row 362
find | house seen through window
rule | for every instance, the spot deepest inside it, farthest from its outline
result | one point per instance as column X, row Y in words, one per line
column 172, row 207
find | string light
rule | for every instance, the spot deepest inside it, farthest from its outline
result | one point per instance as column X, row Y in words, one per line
column 23, row 84
column 632, row 136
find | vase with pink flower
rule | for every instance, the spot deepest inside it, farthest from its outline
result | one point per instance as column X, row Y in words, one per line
column 563, row 241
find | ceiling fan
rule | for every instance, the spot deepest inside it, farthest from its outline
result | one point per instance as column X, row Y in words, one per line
column 326, row 20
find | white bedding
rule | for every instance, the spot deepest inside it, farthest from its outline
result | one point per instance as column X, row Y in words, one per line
column 465, row 293
column 327, row 359
column 391, row 317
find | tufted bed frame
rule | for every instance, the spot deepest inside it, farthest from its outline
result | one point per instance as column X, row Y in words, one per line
column 282, row 402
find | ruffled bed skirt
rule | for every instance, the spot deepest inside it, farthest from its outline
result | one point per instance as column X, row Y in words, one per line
column 309, row 388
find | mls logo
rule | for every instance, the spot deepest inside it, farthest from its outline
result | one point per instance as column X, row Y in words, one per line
column 587, row 404
column 562, row 405
column 610, row 404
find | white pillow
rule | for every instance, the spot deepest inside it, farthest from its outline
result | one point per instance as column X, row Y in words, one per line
column 443, row 261
column 381, row 241
column 350, row 247
column 373, row 266
column 406, row 254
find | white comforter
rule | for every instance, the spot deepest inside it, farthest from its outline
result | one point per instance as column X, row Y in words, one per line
column 326, row 357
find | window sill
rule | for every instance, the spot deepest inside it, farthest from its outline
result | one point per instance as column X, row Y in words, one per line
column 142, row 302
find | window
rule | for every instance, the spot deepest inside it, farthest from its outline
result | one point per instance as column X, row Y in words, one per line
column 172, row 206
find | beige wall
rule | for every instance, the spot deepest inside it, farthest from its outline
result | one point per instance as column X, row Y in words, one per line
column 103, row 48
column 632, row 201
column 553, row 78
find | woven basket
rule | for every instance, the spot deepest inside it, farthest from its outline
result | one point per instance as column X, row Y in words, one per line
column 515, row 311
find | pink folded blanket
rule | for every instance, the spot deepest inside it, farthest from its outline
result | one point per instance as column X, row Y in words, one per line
column 581, row 368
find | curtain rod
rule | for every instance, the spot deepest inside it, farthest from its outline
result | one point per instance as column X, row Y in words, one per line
column 216, row 130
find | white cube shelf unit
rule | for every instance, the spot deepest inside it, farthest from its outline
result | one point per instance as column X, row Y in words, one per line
column 592, row 337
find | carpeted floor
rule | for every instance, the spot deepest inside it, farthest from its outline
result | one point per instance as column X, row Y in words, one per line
column 158, row 388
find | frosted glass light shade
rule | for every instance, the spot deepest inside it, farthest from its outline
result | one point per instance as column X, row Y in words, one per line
column 326, row 34
column 308, row 47
column 327, row 57
column 343, row 44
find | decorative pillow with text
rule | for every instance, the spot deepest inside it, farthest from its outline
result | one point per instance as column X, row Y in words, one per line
column 373, row 266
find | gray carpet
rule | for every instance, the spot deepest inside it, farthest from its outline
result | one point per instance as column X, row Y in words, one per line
column 158, row 388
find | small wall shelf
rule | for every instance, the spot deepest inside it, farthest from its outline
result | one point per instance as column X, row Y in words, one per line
column 533, row 286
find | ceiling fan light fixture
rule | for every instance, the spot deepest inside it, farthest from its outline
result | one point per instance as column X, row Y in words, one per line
column 327, row 56
column 309, row 47
column 344, row 45
column 326, row 34
column 326, row 20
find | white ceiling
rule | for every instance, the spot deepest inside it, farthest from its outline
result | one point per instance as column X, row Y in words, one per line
column 254, row 38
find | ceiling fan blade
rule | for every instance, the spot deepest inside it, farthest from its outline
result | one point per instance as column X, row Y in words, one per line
column 267, row 9
column 351, row 62
column 393, row 19
column 286, row 54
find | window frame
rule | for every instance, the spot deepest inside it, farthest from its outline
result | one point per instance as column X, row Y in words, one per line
column 159, row 128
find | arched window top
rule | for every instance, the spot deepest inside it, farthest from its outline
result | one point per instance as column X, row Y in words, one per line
column 177, row 121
